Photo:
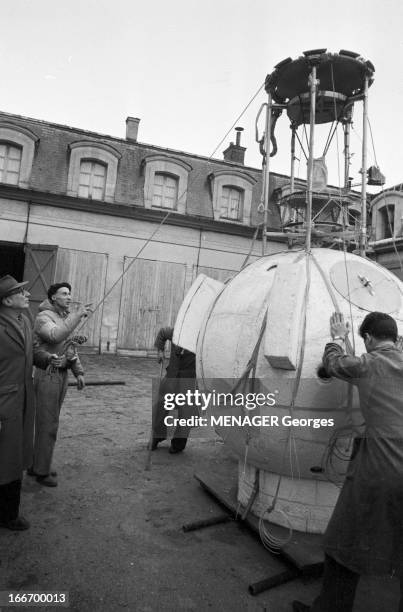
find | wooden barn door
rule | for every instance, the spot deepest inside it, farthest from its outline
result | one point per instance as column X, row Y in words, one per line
column 39, row 270
column 86, row 273
column 152, row 292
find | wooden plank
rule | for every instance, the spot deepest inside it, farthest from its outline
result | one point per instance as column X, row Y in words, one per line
column 304, row 550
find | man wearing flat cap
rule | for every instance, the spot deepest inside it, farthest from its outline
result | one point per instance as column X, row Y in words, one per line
column 16, row 397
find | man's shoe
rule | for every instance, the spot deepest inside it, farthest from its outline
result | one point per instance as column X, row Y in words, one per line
column 174, row 450
column 47, row 481
column 298, row 606
column 155, row 442
column 18, row 524
column 30, row 472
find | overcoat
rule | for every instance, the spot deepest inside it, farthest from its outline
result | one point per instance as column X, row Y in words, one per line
column 365, row 532
column 16, row 396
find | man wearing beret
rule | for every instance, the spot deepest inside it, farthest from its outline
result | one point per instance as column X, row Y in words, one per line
column 16, row 397
column 53, row 326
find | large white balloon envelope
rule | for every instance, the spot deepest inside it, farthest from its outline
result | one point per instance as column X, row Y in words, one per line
column 278, row 310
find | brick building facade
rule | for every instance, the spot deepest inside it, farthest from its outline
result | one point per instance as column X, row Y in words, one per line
column 87, row 208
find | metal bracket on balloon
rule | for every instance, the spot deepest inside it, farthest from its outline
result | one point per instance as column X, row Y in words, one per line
column 366, row 283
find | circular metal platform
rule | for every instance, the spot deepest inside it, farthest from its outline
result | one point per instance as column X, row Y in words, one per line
column 341, row 76
column 329, row 196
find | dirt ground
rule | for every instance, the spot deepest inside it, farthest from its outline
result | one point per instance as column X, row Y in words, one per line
column 111, row 533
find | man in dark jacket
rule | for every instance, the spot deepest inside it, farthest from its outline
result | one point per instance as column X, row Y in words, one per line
column 365, row 532
column 16, row 397
column 180, row 376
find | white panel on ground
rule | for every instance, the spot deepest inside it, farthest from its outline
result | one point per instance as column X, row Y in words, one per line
column 284, row 316
column 193, row 309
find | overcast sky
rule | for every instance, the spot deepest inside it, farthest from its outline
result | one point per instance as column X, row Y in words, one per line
column 188, row 68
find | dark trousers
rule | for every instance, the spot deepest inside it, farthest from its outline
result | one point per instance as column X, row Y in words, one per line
column 10, row 494
column 338, row 589
column 181, row 432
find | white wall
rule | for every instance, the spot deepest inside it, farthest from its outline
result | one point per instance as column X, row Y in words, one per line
column 118, row 238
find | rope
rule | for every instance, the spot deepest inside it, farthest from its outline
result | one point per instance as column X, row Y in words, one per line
column 251, row 365
column 333, row 451
column 344, row 228
column 372, row 141
column 243, row 476
column 251, row 246
column 331, row 135
column 269, row 541
column 327, row 143
column 124, row 272
column 349, row 300
column 190, row 183
column 272, row 543
column 336, row 306
column 337, row 123
column 350, row 349
column 236, row 120
column 301, row 147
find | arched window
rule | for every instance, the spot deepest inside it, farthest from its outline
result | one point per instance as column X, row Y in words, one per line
column 231, row 203
column 165, row 182
column 387, row 218
column 353, row 217
column 93, row 170
column 232, row 195
column 92, row 179
column 10, row 163
column 17, row 150
column 165, row 194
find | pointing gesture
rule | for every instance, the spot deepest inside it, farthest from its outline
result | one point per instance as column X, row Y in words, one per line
column 84, row 309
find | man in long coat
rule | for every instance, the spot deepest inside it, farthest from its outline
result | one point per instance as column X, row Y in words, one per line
column 365, row 532
column 16, row 397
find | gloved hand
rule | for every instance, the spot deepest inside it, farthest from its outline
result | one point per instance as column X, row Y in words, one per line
column 80, row 382
column 57, row 361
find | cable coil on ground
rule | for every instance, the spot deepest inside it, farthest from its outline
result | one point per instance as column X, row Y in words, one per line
column 272, row 543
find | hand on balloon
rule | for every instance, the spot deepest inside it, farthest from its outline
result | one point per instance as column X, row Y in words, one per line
column 338, row 327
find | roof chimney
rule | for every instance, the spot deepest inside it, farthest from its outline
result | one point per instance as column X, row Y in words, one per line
column 132, row 128
column 235, row 153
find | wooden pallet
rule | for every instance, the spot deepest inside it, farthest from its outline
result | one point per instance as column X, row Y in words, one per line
column 303, row 555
